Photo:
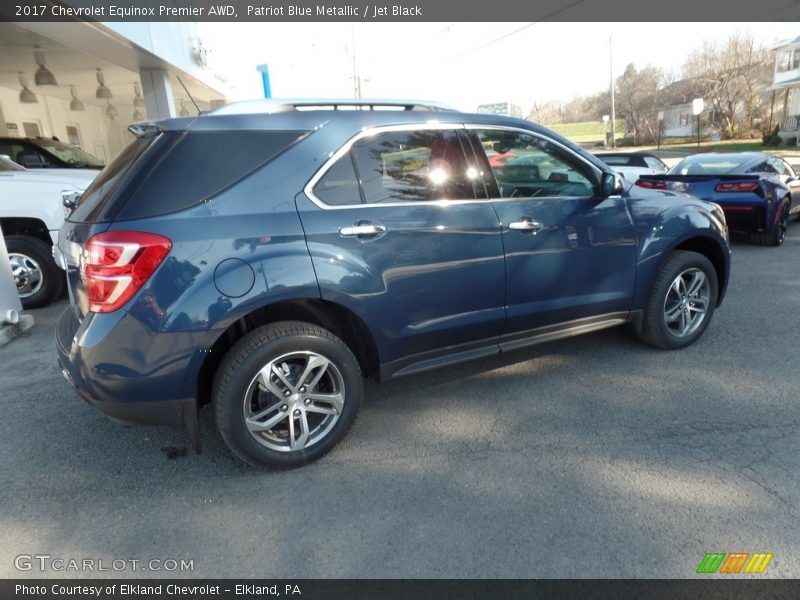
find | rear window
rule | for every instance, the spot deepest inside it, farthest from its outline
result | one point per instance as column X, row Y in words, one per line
column 707, row 164
column 617, row 160
column 199, row 166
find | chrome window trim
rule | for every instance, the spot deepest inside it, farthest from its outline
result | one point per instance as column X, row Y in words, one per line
column 431, row 125
column 598, row 172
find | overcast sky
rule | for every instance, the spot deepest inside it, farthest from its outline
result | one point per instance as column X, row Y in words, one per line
column 461, row 64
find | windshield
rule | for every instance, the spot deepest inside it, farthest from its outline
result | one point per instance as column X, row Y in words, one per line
column 6, row 164
column 70, row 154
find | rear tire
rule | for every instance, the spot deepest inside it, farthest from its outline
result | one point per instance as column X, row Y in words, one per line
column 285, row 394
column 778, row 233
column 39, row 281
column 681, row 301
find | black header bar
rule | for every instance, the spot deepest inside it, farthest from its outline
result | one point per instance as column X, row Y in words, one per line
column 400, row 10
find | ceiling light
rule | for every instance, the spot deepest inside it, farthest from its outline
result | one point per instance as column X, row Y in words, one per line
column 138, row 101
column 43, row 75
column 111, row 111
column 26, row 96
column 102, row 91
column 75, row 104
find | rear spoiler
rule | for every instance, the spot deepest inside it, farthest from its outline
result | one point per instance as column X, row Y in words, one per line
column 704, row 177
column 146, row 130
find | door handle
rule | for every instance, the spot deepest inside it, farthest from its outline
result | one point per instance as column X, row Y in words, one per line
column 362, row 230
column 526, row 224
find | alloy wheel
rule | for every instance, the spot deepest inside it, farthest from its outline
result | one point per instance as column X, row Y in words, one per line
column 294, row 401
column 687, row 302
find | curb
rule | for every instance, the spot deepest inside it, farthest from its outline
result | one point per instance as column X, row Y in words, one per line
column 9, row 332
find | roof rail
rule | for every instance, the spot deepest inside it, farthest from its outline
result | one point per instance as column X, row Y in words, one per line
column 276, row 105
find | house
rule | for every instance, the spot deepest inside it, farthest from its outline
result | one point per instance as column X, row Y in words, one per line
column 785, row 84
column 679, row 119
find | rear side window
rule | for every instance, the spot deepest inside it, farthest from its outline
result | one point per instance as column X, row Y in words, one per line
column 199, row 166
column 339, row 185
column 96, row 199
column 412, row 166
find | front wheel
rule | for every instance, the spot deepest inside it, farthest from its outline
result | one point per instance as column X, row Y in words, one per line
column 286, row 393
column 681, row 301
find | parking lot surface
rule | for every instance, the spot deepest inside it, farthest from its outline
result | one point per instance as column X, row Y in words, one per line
column 595, row 456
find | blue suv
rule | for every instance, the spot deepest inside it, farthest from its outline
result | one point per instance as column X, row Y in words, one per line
column 265, row 259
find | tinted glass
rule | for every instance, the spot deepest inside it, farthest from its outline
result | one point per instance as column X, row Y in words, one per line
column 95, row 200
column 527, row 166
column 764, row 167
column 339, row 185
column 619, row 159
column 199, row 166
column 413, row 166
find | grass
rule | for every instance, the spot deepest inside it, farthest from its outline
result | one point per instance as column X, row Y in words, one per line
column 585, row 131
column 707, row 146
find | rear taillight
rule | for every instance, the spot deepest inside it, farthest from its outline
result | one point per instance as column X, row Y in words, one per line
column 651, row 185
column 117, row 263
column 737, row 186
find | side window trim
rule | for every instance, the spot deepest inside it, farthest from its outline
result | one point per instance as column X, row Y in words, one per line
column 592, row 168
column 346, row 148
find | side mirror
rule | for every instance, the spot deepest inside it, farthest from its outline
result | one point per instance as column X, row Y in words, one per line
column 613, row 184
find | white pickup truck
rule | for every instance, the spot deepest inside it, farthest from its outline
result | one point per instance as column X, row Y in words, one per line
column 31, row 212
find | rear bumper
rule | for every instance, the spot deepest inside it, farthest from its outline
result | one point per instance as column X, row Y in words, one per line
column 748, row 214
column 86, row 351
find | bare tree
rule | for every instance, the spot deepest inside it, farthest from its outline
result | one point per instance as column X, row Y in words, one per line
column 544, row 112
column 733, row 76
column 639, row 100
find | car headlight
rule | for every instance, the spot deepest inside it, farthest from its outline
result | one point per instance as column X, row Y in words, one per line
column 70, row 199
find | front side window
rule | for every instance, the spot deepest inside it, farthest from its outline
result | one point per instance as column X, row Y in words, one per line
column 413, row 166
column 536, row 167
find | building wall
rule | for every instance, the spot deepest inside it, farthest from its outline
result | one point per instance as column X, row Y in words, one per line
column 100, row 136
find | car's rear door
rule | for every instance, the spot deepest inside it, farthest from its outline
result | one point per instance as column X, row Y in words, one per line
column 570, row 253
column 401, row 234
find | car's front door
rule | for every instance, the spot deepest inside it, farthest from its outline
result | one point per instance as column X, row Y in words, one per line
column 570, row 253
column 400, row 233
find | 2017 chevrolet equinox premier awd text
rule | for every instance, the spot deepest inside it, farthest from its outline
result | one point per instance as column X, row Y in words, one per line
column 266, row 259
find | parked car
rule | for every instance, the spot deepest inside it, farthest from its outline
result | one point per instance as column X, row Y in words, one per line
column 47, row 153
column 632, row 164
column 266, row 263
column 754, row 189
column 31, row 211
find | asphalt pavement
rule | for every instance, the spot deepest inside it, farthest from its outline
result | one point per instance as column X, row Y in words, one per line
column 595, row 456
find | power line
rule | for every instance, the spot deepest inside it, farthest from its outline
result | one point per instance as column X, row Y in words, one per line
column 524, row 27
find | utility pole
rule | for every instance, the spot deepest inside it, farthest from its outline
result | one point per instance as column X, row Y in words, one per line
column 356, row 78
column 613, row 106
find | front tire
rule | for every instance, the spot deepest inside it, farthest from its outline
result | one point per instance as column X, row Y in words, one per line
column 39, row 281
column 681, row 301
column 285, row 394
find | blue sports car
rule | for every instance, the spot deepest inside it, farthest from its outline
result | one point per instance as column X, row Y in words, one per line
column 758, row 192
